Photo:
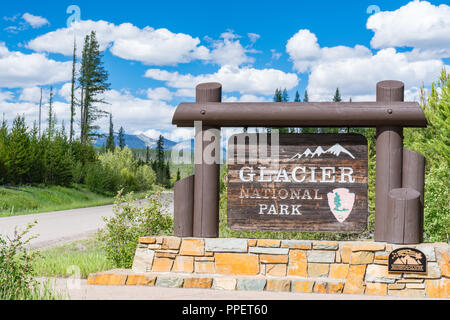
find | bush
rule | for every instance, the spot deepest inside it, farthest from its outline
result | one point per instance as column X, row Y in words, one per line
column 118, row 170
column 16, row 270
column 433, row 143
column 120, row 236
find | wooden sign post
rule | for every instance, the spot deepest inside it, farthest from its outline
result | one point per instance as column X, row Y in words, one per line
column 318, row 184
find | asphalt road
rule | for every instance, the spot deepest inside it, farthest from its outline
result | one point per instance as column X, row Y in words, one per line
column 55, row 228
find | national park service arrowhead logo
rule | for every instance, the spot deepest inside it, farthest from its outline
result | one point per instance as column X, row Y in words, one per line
column 341, row 203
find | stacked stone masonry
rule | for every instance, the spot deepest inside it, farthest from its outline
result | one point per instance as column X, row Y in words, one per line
column 281, row 265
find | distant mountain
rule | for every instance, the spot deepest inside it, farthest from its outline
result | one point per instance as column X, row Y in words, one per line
column 140, row 141
column 335, row 150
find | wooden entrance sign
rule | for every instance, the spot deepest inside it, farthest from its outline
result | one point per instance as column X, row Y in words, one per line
column 389, row 114
column 319, row 184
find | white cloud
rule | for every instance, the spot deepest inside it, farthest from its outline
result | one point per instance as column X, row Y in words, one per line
column 356, row 77
column 34, row 21
column 245, row 98
column 159, row 94
column 245, row 80
column 253, row 37
column 418, row 24
column 149, row 46
column 33, row 94
column 19, row 70
column 177, row 134
column 135, row 113
column 6, row 95
column 304, row 50
column 229, row 51
column 356, row 70
column 158, row 47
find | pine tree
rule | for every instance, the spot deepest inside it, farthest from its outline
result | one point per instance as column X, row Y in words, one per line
column 297, row 97
column 17, row 157
column 72, row 96
column 93, row 80
column 277, row 96
column 3, row 151
column 40, row 113
column 284, row 96
column 305, row 97
column 121, row 138
column 147, row 155
column 167, row 176
column 337, row 96
column 110, row 145
column 51, row 115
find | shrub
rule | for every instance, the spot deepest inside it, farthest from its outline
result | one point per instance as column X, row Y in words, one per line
column 120, row 236
column 16, row 270
column 118, row 170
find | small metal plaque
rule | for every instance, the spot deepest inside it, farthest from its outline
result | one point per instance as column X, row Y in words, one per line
column 407, row 260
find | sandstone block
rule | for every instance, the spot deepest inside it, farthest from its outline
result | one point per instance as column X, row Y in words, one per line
column 269, row 243
column 298, row 264
column 338, row 271
column 379, row 289
column 204, row 283
column 268, row 250
column 141, row 280
column 225, row 245
column 305, row 286
column 172, row 243
column 321, row 256
column 273, row 258
column 354, row 284
column 276, row 269
column 224, row 283
column 169, row 282
column 317, row 270
column 162, row 265
column 237, row 263
column 183, row 264
column 296, row 244
column 278, row 285
column 192, row 247
column 361, row 257
column 325, row 245
column 251, row 284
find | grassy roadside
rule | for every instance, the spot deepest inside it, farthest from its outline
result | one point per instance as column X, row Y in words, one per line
column 37, row 199
column 76, row 259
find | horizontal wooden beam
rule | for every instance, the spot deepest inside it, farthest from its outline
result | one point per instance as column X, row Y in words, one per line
column 297, row 114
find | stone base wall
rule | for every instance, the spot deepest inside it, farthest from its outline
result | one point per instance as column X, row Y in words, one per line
column 288, row 265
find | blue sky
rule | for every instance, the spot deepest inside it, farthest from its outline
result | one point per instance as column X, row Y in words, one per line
column 156, row 52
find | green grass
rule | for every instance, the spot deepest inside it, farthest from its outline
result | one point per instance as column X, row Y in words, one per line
column 41, row 198
column 85, row 257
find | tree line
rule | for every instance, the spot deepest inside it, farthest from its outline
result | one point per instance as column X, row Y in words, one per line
column 54, row 156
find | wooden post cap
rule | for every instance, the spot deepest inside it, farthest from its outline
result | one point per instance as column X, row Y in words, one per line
column 390, row 90
column 209, row 92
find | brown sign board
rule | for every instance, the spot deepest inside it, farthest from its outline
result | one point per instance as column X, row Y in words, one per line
column 407, row 260
column 318, row 184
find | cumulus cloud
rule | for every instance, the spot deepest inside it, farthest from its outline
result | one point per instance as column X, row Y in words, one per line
column 34, row 21
column 148, row 45
column 159, row 94
column 19, row 70
column 158, row 47
column 244, row 80
column 418, row 24
column 304, row 50
column 356, row 77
